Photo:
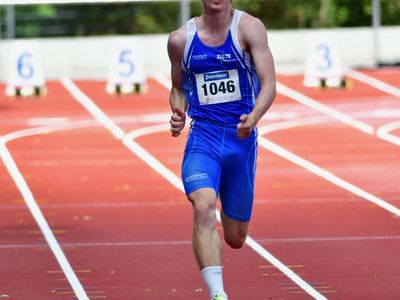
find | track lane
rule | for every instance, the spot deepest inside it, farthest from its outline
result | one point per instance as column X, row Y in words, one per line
column 136, row 148
column 69, row 221
column 39, row 179
column 127, row 111
column 93, row 280
column 364, row 103
column 311, row 217
column 363, row 148
column 17, row 115
column 391, row 224
column 389, row 75
column 367, row 155
column 133, row 107
column 21, row 113
column 17, row 226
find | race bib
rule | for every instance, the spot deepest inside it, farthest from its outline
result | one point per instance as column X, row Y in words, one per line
column 218, row 87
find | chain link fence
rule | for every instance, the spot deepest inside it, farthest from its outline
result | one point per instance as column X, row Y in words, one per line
column 31, row 21
column 68, row 20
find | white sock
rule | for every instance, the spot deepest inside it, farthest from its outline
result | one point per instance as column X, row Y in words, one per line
column 213, row 278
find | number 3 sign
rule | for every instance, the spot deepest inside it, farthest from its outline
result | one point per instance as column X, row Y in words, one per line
column 323, row 60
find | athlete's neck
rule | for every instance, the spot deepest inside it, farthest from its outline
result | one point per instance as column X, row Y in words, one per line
column 216, row 21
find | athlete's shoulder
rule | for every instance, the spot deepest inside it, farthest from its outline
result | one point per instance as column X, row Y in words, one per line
column 177, row 40
column 250, row 30
column 248, row 23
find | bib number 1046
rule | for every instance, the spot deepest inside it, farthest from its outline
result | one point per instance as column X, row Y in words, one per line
column 222, row 87
column 218, row 87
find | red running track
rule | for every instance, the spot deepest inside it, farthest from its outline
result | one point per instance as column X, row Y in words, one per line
column 126, row 230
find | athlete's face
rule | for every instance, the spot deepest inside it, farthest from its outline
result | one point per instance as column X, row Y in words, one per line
column 216, row 5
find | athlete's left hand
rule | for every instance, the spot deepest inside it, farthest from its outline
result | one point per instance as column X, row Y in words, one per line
column 245, row 126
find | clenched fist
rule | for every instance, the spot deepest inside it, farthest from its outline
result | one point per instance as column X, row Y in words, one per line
column 177, row 122
column 245, row 126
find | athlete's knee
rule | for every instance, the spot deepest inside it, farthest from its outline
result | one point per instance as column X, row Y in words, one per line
column 204, row 205
column 235, row 241
column 204, row 213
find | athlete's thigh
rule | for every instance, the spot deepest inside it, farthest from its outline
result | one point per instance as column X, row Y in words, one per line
column 201, row 167
column 237, row 184
column 200, row 171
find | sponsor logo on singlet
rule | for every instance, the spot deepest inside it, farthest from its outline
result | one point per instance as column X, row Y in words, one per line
column 225, row 57
column 216, row 76
column 199, row 57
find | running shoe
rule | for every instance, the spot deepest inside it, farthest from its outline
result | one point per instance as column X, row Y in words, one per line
column 219, row 297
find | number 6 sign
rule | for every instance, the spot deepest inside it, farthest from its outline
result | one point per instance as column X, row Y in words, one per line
column 25, row 70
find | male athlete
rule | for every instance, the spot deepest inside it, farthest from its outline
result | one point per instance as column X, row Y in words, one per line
column 223, row 75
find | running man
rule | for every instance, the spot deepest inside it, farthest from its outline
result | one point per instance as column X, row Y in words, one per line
column 223, row 75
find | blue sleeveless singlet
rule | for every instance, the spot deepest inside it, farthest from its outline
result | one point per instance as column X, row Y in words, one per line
column 220, row 83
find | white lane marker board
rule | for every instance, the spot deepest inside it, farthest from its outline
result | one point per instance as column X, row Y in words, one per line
column 25, row 70
column 126, row 73
column 323, row 61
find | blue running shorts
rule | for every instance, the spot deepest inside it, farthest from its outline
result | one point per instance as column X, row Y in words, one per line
column 216, row 158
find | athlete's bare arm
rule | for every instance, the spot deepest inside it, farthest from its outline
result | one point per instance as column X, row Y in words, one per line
column 176, row 47
column 253, row 37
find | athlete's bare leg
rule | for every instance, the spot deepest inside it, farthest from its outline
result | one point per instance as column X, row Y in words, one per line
column 206, row 240
column 235, row 232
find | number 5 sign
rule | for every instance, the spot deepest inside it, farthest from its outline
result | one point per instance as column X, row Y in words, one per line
column 25, row 66
column 126, row 66
column 323, row 60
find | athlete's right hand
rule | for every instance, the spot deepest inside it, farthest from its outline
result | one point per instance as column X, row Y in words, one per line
column 177, row 122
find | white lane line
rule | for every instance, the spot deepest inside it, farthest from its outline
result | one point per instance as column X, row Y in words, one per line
column 99, row 205
column 291, row 124
column 376, row 83
column 332, row 239
column 313, row 168
column 47, row 129
column 48, row 121
column 279, row 150
column 149, row 159
column 97, row 113
column 27, row 132
column 315, row 105
column 41, row 221
column 305, row 100
column 172, row 178
column 102, row 244
column 189, row 242
column 79, row 124
column 384, row 132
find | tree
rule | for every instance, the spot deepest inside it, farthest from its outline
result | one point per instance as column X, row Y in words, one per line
column 163, row 17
